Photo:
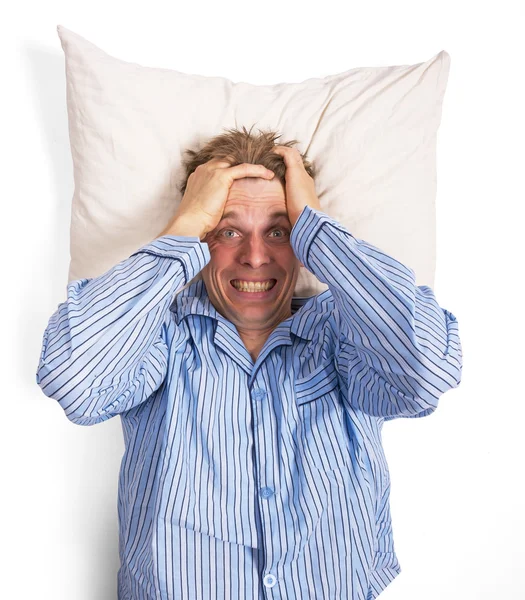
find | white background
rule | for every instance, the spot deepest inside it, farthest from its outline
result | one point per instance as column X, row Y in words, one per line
column 457, row 492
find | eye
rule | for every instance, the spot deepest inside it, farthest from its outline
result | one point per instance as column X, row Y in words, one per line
column 283, row 232
column 225, row 231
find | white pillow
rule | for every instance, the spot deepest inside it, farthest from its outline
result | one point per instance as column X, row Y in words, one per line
column 370, row 132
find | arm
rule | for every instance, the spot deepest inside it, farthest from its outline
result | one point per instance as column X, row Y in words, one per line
column 400, row 349
column 104, row 350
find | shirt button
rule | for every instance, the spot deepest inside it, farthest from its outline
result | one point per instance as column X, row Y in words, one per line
column 269, row 580
column 259, row 393
column 266, row 492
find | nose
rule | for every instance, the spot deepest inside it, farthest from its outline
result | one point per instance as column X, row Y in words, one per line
column 255, row 252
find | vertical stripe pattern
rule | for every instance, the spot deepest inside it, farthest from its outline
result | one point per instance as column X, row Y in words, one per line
column 248, row 479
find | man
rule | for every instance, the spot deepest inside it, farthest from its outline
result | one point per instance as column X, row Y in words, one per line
column 252, row 419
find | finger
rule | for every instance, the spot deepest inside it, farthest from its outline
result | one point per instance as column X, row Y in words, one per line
column 292, row 156
column 250, row 170
column 221, row 163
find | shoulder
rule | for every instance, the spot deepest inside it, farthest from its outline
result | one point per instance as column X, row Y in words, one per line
column 321, row 303
column 314, row 314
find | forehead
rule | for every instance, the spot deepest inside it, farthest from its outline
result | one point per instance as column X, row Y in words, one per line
column 255, row 199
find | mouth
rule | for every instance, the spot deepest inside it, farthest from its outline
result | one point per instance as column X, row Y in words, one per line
column 257, row 290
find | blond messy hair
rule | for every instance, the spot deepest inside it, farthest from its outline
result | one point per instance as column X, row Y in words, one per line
column 241, row 146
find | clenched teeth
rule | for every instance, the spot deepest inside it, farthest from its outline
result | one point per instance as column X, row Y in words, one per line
column 258, row 286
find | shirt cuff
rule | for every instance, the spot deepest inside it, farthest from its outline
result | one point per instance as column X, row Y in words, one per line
column 305, row 230
column 193, row 254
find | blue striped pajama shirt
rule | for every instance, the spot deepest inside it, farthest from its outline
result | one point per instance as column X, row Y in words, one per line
column 243, row 479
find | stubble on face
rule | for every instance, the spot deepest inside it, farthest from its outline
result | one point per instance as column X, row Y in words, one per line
column 254, row 245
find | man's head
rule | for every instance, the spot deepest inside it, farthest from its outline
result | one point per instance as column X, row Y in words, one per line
column 252, row 241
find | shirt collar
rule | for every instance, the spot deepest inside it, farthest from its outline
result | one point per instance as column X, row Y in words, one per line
column 194, row 300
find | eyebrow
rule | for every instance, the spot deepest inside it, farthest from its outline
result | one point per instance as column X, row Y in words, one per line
column 233, row 215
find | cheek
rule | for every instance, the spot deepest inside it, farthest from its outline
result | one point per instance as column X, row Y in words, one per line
column 288, row 257
column 220, row 258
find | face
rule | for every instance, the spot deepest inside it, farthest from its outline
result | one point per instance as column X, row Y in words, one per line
column 252, row 243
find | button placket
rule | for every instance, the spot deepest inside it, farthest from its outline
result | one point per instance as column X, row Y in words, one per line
column 269, row 580
column 259, row 393
column 266, row 492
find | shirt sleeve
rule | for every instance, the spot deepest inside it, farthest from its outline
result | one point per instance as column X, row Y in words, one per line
column 104, row 350
column 400, row 349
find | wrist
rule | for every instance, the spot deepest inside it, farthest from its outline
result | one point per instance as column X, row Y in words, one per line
column 184, row 226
